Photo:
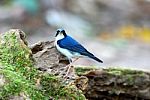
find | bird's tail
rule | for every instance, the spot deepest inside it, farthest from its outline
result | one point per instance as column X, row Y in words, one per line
column 95, row 58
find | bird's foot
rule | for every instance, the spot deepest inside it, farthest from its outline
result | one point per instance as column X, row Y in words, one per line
column 69, row 71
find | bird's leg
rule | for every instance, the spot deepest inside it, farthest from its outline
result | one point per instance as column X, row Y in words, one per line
column 69, row 67
column 75, row 59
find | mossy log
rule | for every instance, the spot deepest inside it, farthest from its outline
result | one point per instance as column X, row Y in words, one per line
column 114, row 84
column 38, row 73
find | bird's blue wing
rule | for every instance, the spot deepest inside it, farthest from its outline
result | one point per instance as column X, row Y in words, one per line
column 72, row 45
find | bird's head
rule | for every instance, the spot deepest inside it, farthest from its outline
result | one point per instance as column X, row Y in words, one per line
column 60, row 33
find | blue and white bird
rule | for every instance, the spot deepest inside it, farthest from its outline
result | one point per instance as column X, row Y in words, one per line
column 70, row 47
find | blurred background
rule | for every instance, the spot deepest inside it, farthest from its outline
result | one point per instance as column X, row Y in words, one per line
column 116, row 31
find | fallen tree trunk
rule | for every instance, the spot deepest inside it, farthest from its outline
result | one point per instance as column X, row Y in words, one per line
column 114, row 84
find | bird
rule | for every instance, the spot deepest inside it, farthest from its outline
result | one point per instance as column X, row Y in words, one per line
column 71, row 48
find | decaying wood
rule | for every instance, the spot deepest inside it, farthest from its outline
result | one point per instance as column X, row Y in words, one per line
column 105, row 85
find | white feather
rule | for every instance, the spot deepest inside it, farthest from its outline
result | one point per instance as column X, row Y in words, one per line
column 65, row 52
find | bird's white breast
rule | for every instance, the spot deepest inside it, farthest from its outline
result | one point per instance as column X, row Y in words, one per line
column 66, row 52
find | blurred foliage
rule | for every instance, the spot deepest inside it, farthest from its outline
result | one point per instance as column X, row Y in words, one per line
column 129, row 32
column 30, row 6
column 144, row 34
column 5, row 2
column 86, row 17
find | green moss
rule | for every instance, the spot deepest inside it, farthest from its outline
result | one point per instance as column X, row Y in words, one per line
column 22, row 77
column 17, row 83
column 82, row 70
column 119, row 71
column 127, row 74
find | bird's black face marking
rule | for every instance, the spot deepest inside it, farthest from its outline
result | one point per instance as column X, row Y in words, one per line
column 57, row 33
column 64, row 33
column 61, row 31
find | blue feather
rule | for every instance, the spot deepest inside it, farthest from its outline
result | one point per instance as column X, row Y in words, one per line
column 70, row 44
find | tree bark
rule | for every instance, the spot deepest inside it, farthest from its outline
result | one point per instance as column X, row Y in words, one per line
column 115, row 84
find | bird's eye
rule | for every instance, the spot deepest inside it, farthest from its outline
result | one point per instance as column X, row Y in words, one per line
column 63, row 31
